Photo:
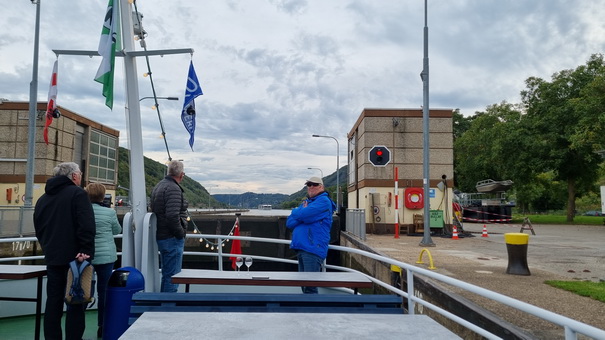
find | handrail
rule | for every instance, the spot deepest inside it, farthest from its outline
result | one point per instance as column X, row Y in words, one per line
column 571, row 327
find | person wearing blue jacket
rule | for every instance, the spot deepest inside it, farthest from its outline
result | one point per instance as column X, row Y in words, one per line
column 311, row 223
column 107, row 225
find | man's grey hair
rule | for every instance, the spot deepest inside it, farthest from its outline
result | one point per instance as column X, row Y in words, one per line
column 175, row 168
column 66, row 169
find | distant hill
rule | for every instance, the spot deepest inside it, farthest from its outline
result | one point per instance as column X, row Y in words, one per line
column 250, row 200
column 198, row 196
column 330, row 185
column 195, row 193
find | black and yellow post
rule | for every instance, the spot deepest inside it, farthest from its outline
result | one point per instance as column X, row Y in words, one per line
column 516, row 245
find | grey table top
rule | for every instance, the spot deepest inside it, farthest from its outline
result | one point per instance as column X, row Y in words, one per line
column 319, row 279
column 332, row 326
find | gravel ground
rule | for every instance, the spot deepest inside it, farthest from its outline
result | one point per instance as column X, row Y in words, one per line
column 556, row 252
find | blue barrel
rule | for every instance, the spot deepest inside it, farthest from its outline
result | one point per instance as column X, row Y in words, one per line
column 122, row 285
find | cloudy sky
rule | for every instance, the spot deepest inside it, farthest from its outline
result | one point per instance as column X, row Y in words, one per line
column 275, row 72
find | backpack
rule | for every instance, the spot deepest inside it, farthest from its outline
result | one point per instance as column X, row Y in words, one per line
column 80, row 286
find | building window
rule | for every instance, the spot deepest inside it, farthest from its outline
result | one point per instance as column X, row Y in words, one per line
column 102, row 158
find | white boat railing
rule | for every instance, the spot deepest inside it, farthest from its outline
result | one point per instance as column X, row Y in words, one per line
column 571, row 327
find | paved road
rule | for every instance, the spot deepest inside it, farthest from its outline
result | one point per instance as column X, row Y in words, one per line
column 576, row 252
column 556, row 252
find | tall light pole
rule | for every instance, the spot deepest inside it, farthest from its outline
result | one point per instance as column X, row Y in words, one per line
column 166, row 98
column 337, row 168
column 156, row 106
column 33, row 107
column 426, row 239
column 321, row 172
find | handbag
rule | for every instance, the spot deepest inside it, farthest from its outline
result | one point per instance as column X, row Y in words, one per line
column 80, row 288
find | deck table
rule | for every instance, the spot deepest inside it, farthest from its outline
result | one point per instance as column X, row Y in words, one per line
column 23, row 272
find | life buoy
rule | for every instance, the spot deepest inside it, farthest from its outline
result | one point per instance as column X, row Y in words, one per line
column 414, row 198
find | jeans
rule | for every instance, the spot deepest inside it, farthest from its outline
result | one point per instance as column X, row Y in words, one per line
column 171, row 261
column 103, row 274
column 308, row 262
column 55, row 297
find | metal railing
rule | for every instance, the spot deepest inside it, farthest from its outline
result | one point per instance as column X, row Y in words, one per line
column 571, row 327
column 356, row 222
column 16, row 221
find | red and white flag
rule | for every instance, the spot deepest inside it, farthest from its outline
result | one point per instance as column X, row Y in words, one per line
column 52, row 101
column 236, row 246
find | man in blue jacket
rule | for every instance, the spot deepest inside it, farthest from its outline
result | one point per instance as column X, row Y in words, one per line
column 311, row 223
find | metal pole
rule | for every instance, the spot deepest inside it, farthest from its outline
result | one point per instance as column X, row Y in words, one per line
column 135, row 141
column 396, row 202
column 337, row 165
column 33, row 108
column 426, row 239
column 321, row 172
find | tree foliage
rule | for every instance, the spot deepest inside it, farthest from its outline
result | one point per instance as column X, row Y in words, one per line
column 547, row 144
column 566, row 118
column 195, row 193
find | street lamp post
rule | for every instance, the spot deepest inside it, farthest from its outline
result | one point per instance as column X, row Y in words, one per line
column 337, row 165
column 167, row 98
column 156, row 106
column 321, row 172
column 426, row 239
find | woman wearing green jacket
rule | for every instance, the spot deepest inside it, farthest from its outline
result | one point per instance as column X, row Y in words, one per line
column 107, row 225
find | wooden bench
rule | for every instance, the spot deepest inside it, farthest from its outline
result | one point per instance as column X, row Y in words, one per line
column 269, row 303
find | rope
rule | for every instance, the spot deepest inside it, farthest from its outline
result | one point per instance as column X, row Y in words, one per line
column 150, row 75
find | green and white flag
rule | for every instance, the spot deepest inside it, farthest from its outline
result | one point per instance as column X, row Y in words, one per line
column 107, row 49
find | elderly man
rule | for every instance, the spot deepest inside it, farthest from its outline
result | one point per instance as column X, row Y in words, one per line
column 311, row 223
column 65, row 227
column 170, row 207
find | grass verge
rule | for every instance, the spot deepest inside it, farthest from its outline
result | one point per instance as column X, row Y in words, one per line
column 595, row 290
column 559, row 219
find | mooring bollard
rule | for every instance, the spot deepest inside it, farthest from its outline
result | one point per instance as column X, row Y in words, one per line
column 516, row 245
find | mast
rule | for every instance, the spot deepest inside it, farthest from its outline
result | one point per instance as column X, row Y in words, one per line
column 137, row 241
column 133, row 239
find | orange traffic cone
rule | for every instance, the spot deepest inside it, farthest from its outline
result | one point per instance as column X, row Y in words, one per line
column 454, row 233
column 484, row 231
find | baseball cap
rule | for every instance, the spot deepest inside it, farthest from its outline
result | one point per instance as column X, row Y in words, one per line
column 315, row 180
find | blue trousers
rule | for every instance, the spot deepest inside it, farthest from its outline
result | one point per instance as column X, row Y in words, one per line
column 171, row 261
column 103, row 274
column 53, row 312
column 308, row 262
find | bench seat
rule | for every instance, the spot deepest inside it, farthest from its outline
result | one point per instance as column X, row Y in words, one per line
column 269, row 303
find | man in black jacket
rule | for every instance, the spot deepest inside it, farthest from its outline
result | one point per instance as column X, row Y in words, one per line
column 65, row 227
column 170, row 208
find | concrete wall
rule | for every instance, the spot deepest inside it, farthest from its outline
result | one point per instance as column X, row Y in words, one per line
column 14, row 132
column 401, row 131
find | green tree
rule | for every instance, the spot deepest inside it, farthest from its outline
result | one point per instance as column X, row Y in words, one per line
column 489, row 147
column 565, row 117
column 460, row 123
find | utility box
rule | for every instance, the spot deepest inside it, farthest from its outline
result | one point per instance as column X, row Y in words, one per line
column 436, row 219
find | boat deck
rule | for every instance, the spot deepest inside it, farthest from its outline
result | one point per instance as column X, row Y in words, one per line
column 20, row 327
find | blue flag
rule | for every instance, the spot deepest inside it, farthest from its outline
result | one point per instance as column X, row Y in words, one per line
column 192, row 90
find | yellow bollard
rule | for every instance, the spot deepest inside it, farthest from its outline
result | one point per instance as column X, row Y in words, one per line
column 516, row 245
column 431, row 266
